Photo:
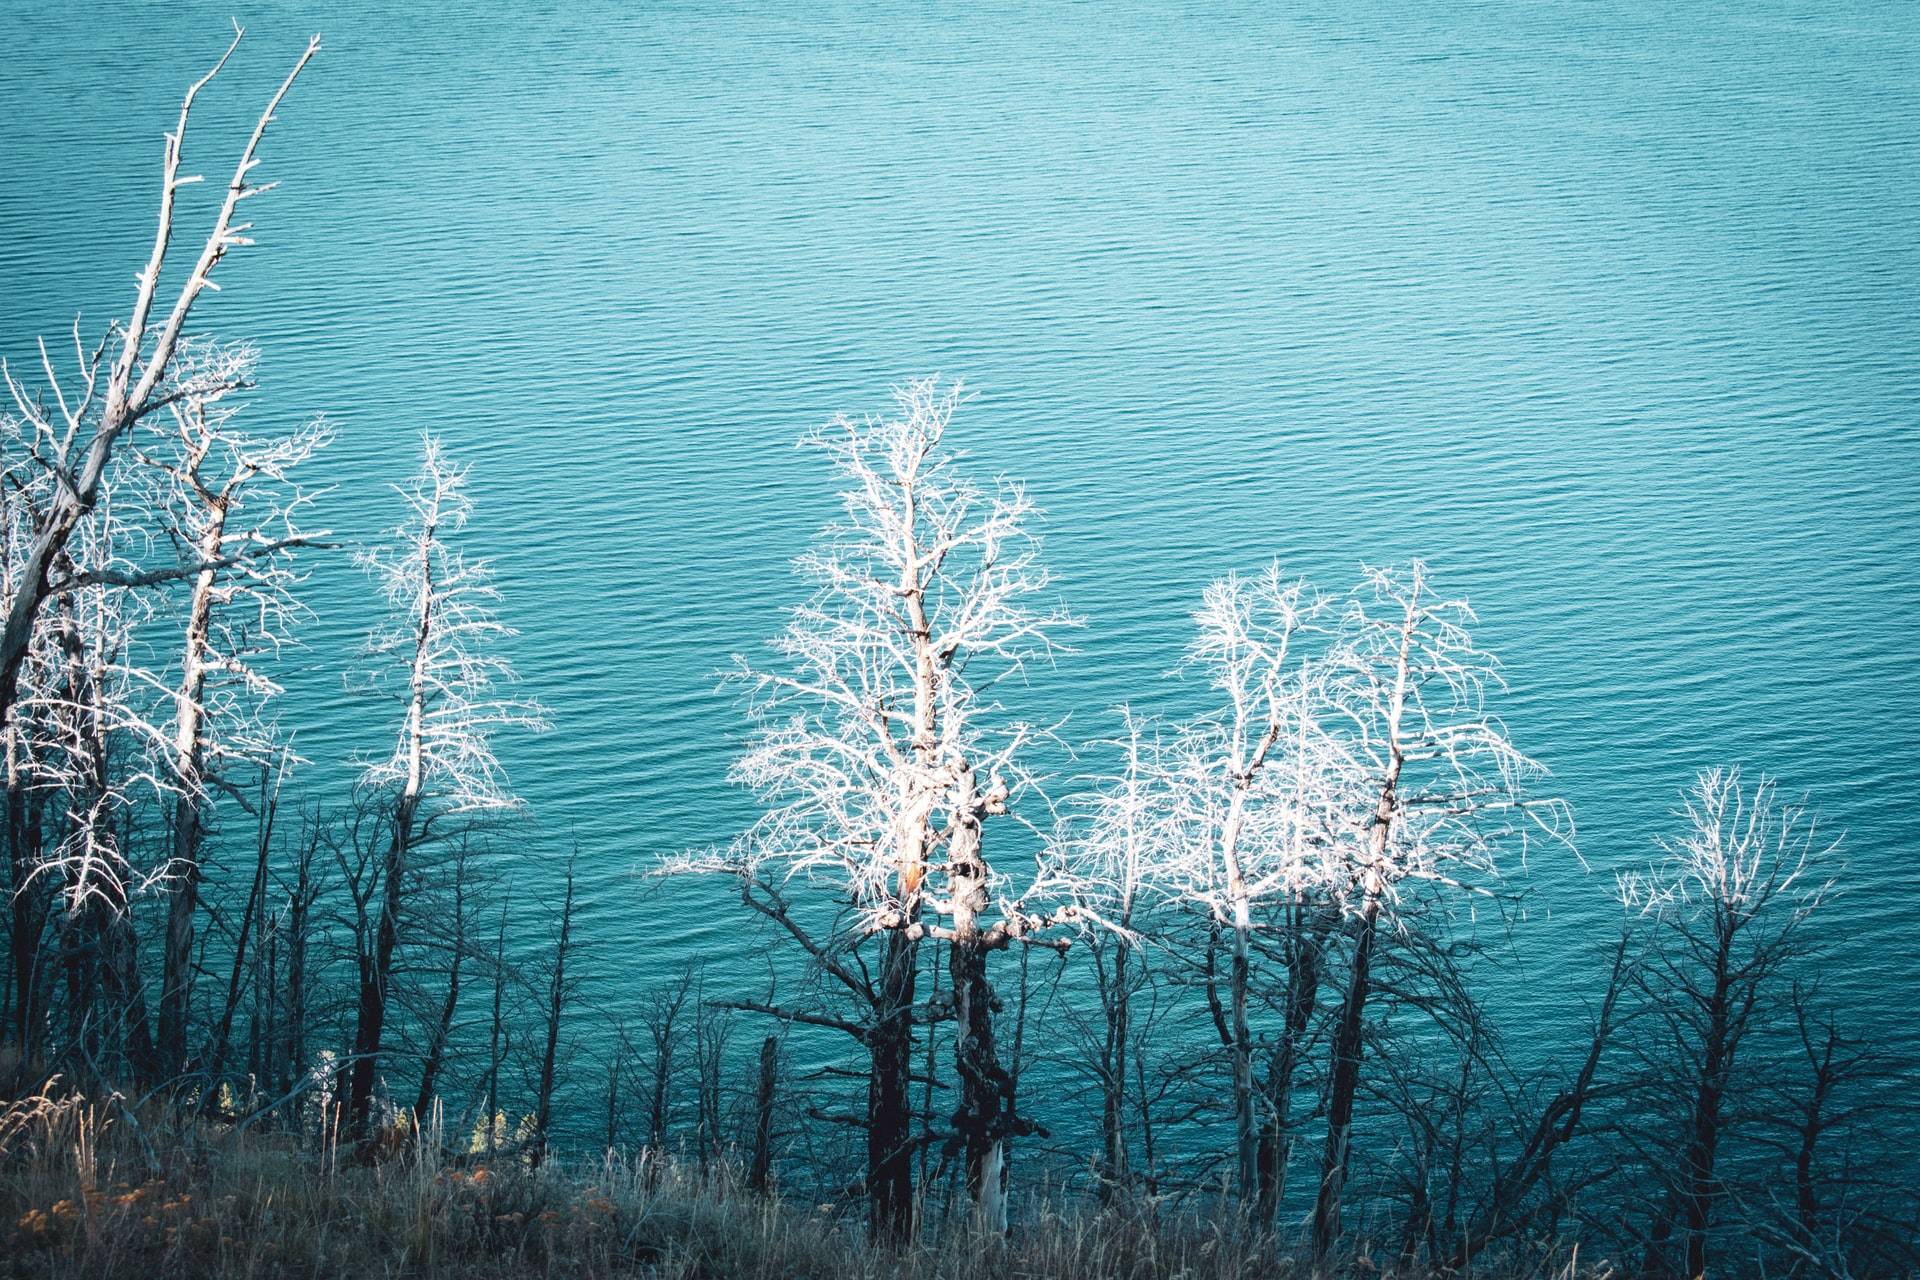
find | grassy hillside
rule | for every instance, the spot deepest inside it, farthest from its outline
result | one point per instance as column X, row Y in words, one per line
column 91, row 1189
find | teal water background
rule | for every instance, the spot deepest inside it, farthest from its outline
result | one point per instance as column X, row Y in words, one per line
column 1607, row 311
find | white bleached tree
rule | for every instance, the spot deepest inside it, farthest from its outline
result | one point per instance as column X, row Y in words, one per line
column 75, row 434
column 1441, row 797
column 60, row 448
column 1249, row 792
column 1727, row 908
column 439, row 651
column 232, row 505
column 882, row 755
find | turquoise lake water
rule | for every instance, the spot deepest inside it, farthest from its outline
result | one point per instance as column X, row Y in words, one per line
column 1607, row 311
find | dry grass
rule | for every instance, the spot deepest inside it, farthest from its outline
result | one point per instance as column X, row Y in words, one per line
column 87, row 1190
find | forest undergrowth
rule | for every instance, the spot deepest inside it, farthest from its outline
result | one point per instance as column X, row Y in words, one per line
column 105, row 1189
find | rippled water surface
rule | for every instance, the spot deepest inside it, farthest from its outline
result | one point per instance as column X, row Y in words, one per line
column 1607, row 311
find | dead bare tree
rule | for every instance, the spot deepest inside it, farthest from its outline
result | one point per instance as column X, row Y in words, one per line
column 1250, row 792
column 1439, row 791
column 1823, row 1109
column 1111, row 852
column 74, row 438
column 232, row 505
column 617, row 1063
column 878, row 744
column 89, row 740
column 1524, row 1188
column 712, row 1038
column 295, row 923
column 666, row 1030
column 1727, row 908
column 441, row 640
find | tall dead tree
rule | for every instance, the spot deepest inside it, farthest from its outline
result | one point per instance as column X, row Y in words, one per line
column 1728, row 906
column 232, row 506
column 1248, row 792
column 1524, row 1189
column 75, row 438
column 878, row 746
column 1439, row 790
column 58, row 453
column 90, row 743
column 666, row 1018
column 441, row 648
column 1110, row 851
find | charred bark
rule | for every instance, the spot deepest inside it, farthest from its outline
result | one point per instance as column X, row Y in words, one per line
column 1348, row 1044
column 375, row 965
column 890, row 1143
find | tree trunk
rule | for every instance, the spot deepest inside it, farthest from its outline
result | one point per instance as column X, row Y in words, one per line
column 1690, row 1203
column 759, row 1172
column 1245, row 1128
column 1113, row 1124
column 1276, row 1138
column 889, row 1116
column 1348, row 1042
column 293, row 1053
column 183, row 901
column 1245, row 1132
column 1347, row 1046
column 26, row 905
column 443, row 1027
column 986, row 1118
column 376, row 969
column 983, row 1121
column 184, row 884
column 268, row 1000
column 376, row 974
column 1806, row 1201
column 556, row 1003
column 496, row 1033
